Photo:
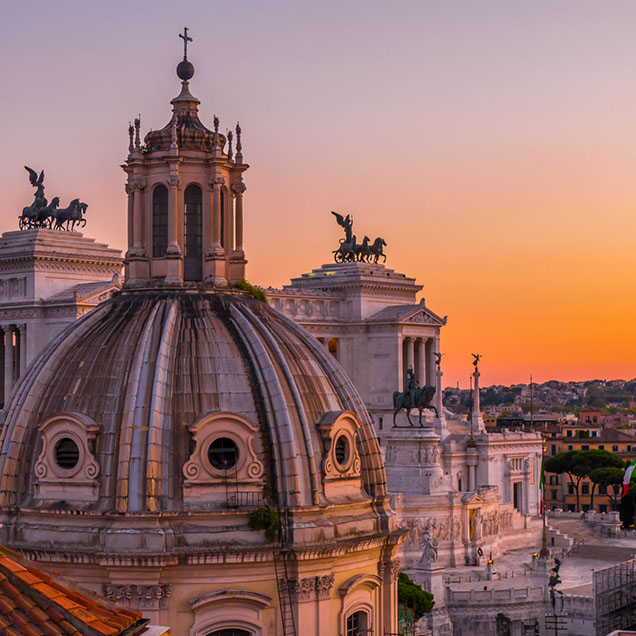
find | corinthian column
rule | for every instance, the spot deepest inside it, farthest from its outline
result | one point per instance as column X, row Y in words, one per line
column 8, row 363
column 421, row 362
column 239, row 189
column 216, row 184
column 130, row 190
column 410, row 353
column 173, row 215
column 215, row 270
column 23, row 348
column 138, row 244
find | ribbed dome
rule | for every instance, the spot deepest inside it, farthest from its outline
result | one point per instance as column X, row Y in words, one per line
column 145, row 366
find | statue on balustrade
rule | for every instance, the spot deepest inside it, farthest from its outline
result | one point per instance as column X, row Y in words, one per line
column 42, row 214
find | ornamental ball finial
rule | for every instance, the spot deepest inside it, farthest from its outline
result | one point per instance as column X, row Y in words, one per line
column 185, row 70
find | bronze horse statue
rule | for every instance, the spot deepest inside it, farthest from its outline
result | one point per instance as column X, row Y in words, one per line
column 376, row 252
column 44, row 216
column 423, row 398
column 71, row 215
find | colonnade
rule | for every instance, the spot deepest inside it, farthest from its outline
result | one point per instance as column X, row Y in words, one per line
column 13, row 354
column 419, row 354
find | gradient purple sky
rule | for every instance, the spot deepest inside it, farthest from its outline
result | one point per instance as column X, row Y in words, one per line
column 493, row 145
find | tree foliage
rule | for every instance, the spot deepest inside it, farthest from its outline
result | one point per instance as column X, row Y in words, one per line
column 611, row 477
column 412, row 595
column 579, row 464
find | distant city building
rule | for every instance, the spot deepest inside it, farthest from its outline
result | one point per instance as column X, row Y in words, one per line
column 560, row 492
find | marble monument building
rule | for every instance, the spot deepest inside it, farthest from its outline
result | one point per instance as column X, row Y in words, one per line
column 463, row 494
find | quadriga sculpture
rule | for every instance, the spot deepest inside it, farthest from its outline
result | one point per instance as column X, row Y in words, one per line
column 42, row 214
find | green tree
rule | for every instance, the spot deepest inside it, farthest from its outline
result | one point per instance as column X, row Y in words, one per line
column 412, row 595
column 611, row 477
column 579, row 464
column 564, row 463
column 599, row 459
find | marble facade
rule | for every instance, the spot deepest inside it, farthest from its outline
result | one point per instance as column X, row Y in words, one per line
column 462, row 494
column 48, row 279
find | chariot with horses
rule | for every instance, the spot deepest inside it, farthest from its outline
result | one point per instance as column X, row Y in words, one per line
column 42, row 214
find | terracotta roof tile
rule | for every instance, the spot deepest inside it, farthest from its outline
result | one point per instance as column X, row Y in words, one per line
column 9, row 589
column 47, row 590
column 32, row 603
column 50, row 629
column 6, row 606
column 11, row 565
column 37, row 615
column 68, row 628
column 107, row 630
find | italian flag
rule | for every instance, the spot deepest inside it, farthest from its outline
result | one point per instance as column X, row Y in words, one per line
column 627, row 477
column 541, row 492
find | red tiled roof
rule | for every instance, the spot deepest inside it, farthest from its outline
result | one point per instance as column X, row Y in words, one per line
column 32, row 603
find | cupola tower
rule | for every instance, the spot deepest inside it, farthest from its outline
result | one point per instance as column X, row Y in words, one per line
column 185, row 198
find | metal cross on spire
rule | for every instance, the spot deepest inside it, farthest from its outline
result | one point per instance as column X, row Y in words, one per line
column 186, row 38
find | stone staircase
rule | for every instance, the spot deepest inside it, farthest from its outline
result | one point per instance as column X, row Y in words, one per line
column 575, row 530
column 559, row 542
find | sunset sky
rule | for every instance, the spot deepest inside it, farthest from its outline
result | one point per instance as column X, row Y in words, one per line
column 492, row 144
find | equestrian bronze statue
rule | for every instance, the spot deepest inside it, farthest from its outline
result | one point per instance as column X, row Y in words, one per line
column 42, row 214
column 414, row 397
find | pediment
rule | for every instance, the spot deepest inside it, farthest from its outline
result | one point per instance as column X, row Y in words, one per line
column 424, row 316
column 99, row 295
column 472, row 497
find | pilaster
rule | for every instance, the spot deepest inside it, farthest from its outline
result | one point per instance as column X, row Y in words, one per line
column 215, row 271
column 174, row 257
column 8, row 363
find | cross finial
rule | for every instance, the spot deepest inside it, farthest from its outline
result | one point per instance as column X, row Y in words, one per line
column 186, row 38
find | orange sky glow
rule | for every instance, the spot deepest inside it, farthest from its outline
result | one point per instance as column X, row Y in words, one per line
column 493, row 146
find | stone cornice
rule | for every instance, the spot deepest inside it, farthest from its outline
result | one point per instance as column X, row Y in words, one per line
column 45, row 261
column 190, row 556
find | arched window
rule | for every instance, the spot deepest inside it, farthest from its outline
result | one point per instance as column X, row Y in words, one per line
column 192, row 266
column 222, row 217
column 230, row 632
column 159, row 221
column 358, row 624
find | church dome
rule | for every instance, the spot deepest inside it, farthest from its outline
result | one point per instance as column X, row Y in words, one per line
column 170, row 401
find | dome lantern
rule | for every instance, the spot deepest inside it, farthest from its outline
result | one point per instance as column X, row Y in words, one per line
column 185, row 200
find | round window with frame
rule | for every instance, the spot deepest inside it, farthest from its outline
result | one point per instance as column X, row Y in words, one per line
column 223, row 454
column 67, row 453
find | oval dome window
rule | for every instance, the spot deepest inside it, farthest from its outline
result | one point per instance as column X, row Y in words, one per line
column 342, row 451
column 66, row 453
column 223, row 453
